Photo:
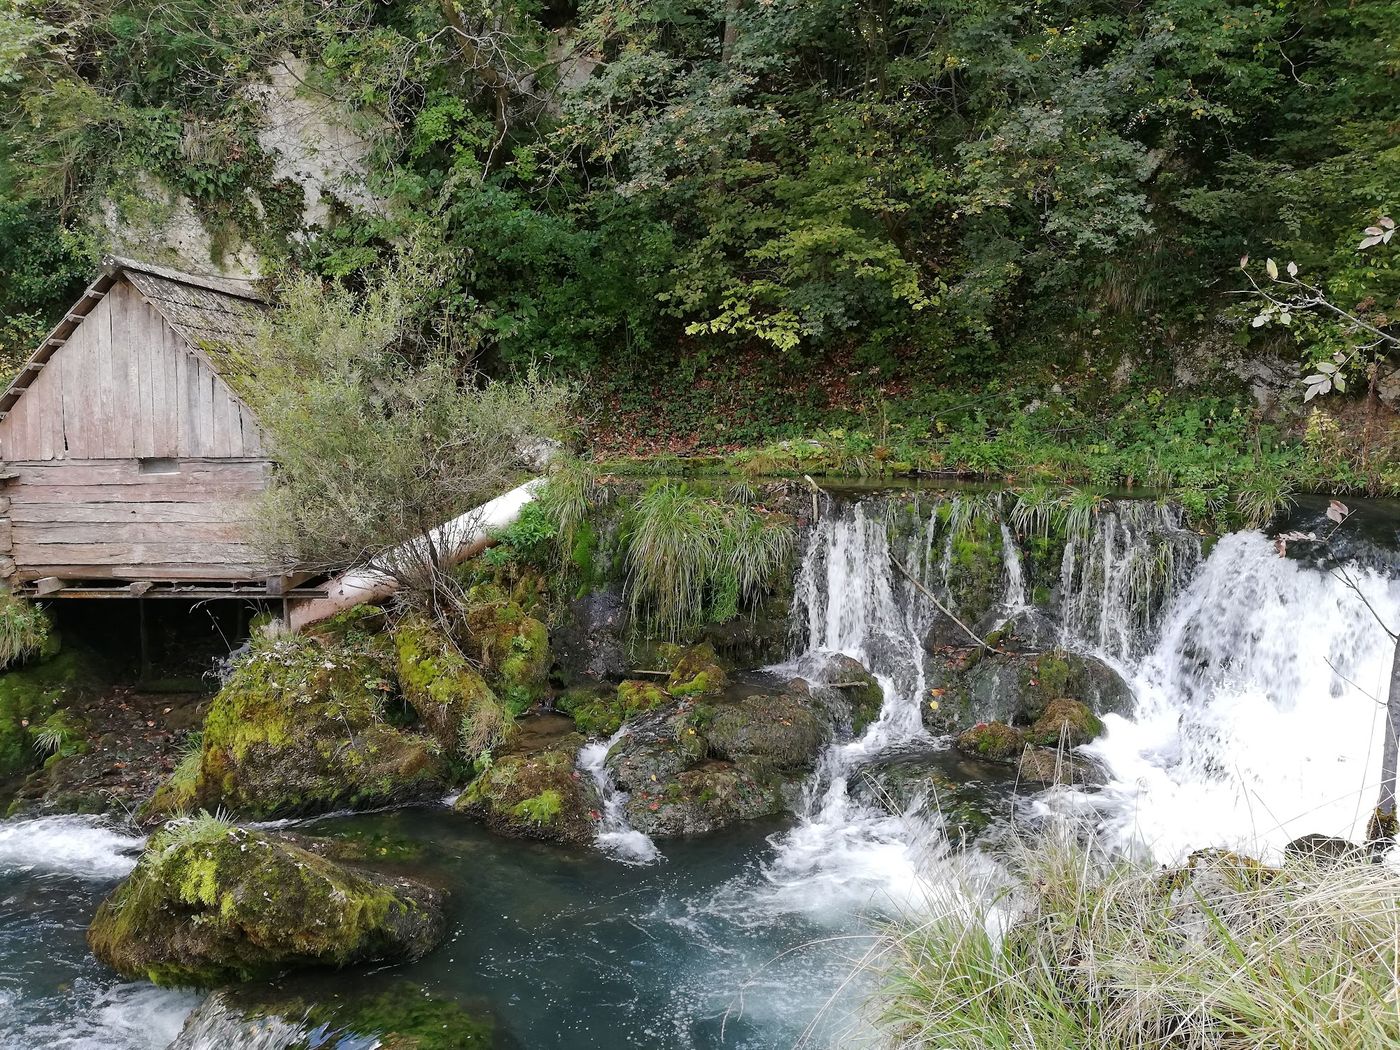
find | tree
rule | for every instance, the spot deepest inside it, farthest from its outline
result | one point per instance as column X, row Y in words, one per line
column 383, row 437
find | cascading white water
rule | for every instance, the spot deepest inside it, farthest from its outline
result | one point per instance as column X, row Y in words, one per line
column 853, row 601
column 70, row 845
column 1259, row 711
column 1014, row 598
column 1117, row 579
column 615, row 836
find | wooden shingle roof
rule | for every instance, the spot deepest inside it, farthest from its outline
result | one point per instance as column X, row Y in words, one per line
column 216, row 316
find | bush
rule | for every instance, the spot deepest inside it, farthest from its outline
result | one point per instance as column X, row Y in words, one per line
column 383, row 434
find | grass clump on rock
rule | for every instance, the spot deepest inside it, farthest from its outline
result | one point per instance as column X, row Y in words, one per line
column 210, row 902
column 1104, row 953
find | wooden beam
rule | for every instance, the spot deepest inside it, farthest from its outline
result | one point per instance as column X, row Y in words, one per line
column 49, row 585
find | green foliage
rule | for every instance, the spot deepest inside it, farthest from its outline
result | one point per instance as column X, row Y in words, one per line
column 383, row 438
column 693, row 559
column 24, row 629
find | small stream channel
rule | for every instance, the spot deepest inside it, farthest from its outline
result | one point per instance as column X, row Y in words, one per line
column 1252, row 724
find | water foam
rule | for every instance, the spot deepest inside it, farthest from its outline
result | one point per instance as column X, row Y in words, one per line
column 83, row 846
column 615, row 836
column 1259, row 714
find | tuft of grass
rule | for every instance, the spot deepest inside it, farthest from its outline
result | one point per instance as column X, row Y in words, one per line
column 1110, row 953
column 24, row 629
column 693, row 559
column 1261, row 498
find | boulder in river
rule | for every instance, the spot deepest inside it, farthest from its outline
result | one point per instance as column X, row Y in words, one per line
column 601, row 711
column 697, row 672
column 534, row 789
column 451, row 697
column 210, row 903
column 1065, row 723
column 400, row 1017
column 302, row 726
column 992, row 741
column 510, row 645
column 1053, row 766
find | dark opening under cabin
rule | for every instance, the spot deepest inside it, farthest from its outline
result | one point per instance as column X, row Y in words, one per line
column 131, row 463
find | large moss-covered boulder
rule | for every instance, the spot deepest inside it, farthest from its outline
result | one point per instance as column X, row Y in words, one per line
column 511, row 646
column 1065, row 722
column 451, row 697
column 1051, row 765
column 767, row 733
column 534, row 790
column 303, row 725
column 38, row 707
column 601, row 711
column 696, row 766
column 210, row 903
column 697, row 672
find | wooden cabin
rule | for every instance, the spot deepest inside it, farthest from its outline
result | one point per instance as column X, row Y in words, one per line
column 130, row 462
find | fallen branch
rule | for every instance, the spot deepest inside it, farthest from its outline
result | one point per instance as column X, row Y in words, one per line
column 941, row 607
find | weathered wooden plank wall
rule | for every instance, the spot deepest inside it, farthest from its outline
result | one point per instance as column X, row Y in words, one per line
column 109, row 519
column 124, row 385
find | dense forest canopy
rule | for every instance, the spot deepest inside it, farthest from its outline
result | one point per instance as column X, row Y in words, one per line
column 957, row 187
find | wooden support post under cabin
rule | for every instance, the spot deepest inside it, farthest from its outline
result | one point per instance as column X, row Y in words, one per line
column 145, row 641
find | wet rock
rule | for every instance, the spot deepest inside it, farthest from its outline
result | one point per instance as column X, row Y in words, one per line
column 591, row 643
column 1216, row 888
column 1016, row 687
column 697, row 673
column 452, row 699
column 1050, row 766
column 534, row 790
column 969, row 794
column 697, row 766
column 209, row 903
column 859, row 689
column 993, row 741
column 302, row 726
column 1066, row 723
column 767, row 733
column 1326, row 849
column 401, row 1017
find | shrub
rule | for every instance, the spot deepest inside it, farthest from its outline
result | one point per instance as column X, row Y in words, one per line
column 24, row 629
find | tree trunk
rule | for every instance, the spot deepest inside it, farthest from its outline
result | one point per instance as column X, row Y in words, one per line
column 1381, row 832
column 731, row 30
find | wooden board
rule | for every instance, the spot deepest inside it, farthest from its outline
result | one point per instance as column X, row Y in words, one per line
column 126, row 384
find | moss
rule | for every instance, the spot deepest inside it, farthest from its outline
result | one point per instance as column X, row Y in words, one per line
column 697, row 672
column 209, row 902
column 29, row 696
column 767, row 733
column 451, row 697
column 300, row 727
column 511, row 646
column 1068, row 721
column 975, row 569
column 994, row 741
column 602, row 715
column 536, row 794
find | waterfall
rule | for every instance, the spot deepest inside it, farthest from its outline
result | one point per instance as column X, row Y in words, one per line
column 1118, row 576
column 1014, row 598
column 1260, row 712
column 850, row 599
column 615, row 836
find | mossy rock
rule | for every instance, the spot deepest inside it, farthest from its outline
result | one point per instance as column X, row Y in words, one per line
column 511, row 646
column 210, row 903
column 1066, row 722
column 1049, row 765
column 767, row 733
column 862, row 692
column 301, row 727
column 993, row 741
column 697, row 673
column 602, row 712
column 30, row 701
column 537, row 792
column 702, row 799
column 461, row 711
column 402, row 1017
